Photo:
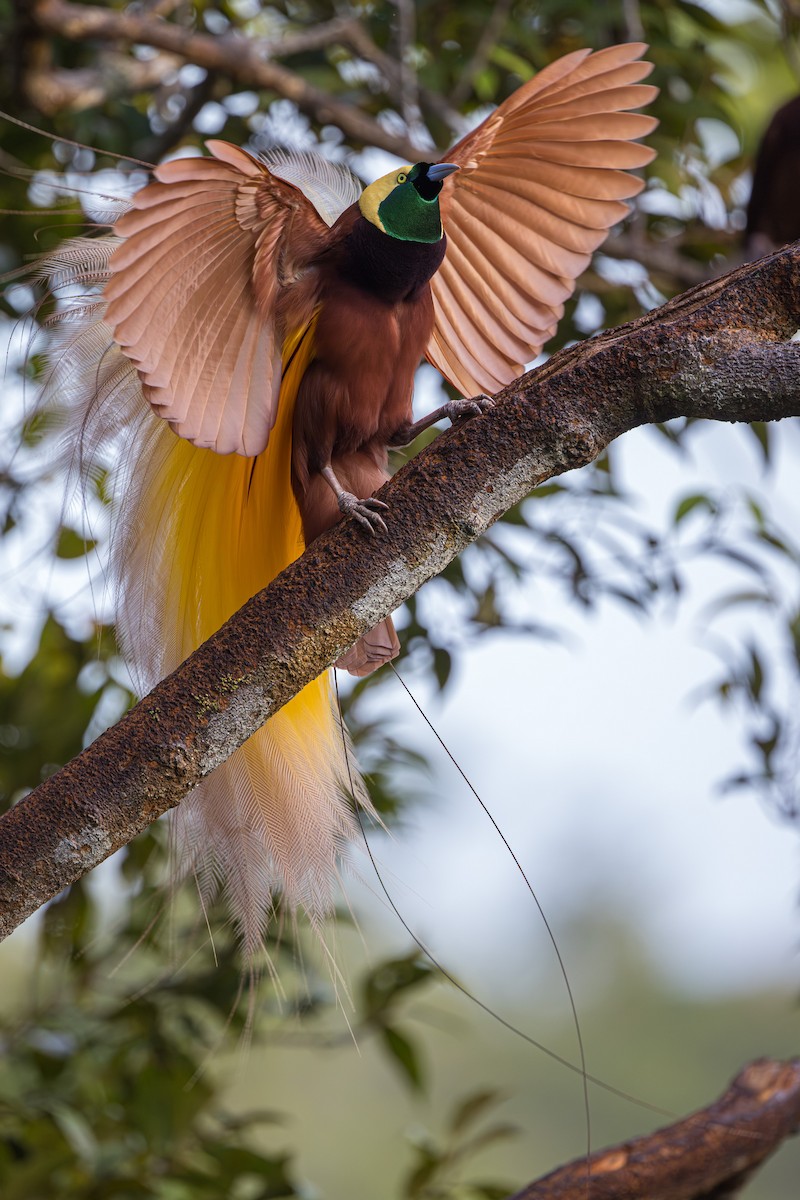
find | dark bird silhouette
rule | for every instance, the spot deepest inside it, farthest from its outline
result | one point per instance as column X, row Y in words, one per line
column 773, row 212
column 270, row 313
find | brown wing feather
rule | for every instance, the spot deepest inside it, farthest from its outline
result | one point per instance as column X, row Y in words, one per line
column 195, row 287
column 542, row 180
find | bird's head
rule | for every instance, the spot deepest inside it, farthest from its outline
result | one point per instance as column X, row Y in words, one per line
column 405, row 204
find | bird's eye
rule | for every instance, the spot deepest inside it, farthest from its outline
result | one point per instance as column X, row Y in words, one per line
column 402, row 177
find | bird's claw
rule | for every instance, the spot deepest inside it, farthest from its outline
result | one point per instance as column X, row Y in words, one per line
column 456, row 410
column 366, row 512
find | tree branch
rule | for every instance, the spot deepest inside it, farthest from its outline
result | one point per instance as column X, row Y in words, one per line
column 664, row 260
column 54, row 89
column 722, row 351
column 231, row 55
column 357, row 38
column 488, row 40
column 707, row 1155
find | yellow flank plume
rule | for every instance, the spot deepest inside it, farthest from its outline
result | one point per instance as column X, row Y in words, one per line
column 209, row 531
column 240, row 515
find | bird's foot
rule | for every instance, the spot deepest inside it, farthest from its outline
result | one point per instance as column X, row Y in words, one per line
column 366, row 512
column 457, row 410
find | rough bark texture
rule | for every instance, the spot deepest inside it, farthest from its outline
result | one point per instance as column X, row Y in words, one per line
column 706, row 1156
column 722, row 351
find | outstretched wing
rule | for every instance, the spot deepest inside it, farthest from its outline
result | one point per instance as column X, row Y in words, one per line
column 194, row 290
column 542, row 180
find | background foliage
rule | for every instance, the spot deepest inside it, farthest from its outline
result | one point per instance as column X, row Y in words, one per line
column 106, row 1032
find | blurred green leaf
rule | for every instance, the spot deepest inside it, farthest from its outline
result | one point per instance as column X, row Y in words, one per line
column 761, row 432
column 404, row 1054
column 473, row 1108
column 71, row 545
column 690, row 504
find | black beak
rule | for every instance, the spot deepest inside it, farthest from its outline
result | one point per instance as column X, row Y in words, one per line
column 439, row 171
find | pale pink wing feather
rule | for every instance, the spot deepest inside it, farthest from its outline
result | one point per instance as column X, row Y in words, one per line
column 194, row 289
column 542, row 180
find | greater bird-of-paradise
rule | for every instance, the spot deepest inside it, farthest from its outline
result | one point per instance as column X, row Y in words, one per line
column 272, row 315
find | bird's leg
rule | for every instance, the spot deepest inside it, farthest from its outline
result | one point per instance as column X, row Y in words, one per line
column 454, row 410
column 366, row 512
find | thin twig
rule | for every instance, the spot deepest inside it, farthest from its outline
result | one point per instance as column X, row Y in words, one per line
column 359, row 41
column 406, row 34
column 56, row 89
column 487, row 41
column 632, row 15
column 232, row 56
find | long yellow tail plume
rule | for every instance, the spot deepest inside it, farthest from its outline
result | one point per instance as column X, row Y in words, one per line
column 197, row 535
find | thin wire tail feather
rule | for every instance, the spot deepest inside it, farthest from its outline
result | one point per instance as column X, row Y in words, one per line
column 188, row 548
